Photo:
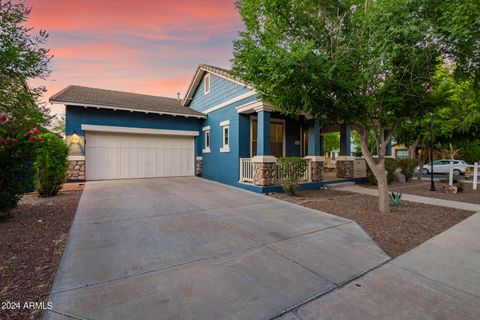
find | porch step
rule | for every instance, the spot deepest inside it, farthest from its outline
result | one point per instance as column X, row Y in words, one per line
column 340, row 185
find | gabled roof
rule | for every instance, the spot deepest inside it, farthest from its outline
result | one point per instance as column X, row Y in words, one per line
column 110, row 99
column 202, row 68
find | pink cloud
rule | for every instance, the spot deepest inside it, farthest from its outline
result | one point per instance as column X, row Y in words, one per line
column 150, row 47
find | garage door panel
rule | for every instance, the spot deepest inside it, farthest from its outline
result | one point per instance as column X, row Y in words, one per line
column 118, row 156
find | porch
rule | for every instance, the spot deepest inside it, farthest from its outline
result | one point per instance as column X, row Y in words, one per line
column 272, row 135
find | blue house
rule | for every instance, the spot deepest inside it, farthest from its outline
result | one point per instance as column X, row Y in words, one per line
column 220, row 131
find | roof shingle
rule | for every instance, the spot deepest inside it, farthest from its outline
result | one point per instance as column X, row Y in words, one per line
column 122, row 100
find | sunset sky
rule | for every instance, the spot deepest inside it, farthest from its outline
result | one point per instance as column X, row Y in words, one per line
column 141, row 46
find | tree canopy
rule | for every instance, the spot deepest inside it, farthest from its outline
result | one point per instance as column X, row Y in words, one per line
column 22, row 57
column 363, row 63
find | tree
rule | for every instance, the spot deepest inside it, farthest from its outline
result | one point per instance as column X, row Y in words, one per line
column 331, row 142
column 22, row 57
column 362, row 63
column 58, row 123
column 456, row 24
column 456, row 118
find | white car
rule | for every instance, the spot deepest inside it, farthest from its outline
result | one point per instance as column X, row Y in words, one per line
column 443, row 166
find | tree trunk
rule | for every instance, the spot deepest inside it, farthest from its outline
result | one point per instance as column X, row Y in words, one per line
column 421, row 163
column 411, row 149
column 378, row 169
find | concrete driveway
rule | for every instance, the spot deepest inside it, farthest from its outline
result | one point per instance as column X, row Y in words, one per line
column 188, row 248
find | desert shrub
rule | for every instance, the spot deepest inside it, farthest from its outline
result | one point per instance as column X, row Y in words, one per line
column 408, row 167
column 17, row 152
column 51, row 165
column 291, row 170
column 390, row 165
column 395, row 198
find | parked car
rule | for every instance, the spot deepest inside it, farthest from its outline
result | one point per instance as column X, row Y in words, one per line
column 443, row 166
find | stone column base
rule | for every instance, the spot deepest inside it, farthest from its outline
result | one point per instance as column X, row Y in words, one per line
column 264, row 170
column 345, row 167
column 76, row 170
column 198, row 166
column 316, row 168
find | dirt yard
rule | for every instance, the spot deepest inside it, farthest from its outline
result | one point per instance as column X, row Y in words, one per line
column 32, row 243
column 403, row 229
column 422, row 188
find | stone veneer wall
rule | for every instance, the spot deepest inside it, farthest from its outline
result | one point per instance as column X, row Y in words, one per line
column 345, row 168
column 76, row 170
column 264, row 173
column 316, row 171
column 198, row 167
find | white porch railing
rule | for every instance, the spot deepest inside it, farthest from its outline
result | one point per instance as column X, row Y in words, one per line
column 246, row 170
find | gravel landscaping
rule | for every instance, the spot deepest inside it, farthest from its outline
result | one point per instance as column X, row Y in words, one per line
column 403, row 229
column 422, row 188
column 32, row 243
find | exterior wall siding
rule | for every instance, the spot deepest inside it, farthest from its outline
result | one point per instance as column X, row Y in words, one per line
column 76, row 116
column 221, row 90
column 225, row 166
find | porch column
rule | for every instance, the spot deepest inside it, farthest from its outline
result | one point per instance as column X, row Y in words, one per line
column 263, row 133
column 345, row 162
column 264, row 164
column 388, row 149
column 345, row 148
column 315, row 152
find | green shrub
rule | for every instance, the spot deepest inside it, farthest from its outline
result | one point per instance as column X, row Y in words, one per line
column 408, row 167
column 470, row 150
column 17, row 151
column 390, row 165
column 51, row 165
column 291, row 170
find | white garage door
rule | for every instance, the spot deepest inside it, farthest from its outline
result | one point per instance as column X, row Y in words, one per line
column 118, row 156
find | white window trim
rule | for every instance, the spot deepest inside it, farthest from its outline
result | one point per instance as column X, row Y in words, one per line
column 205, row 80
column 206, row 130
column 225, row 147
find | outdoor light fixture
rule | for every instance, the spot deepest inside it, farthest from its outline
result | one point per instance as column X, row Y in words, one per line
column 74, row 136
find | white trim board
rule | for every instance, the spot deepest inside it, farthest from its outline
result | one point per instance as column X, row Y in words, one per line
column 90, row 127
column 131, row 110
column 229, row 102
column 76, row 158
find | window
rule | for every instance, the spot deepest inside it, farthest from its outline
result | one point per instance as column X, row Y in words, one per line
column 206, row 139
column 225, row 136
column 276, row 137
column 206, row 84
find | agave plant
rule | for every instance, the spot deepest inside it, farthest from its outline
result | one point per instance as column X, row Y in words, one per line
column 395, row 198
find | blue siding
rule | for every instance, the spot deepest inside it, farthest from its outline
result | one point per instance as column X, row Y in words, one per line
column 76, row 116
column 221, row 90
column 224, row 166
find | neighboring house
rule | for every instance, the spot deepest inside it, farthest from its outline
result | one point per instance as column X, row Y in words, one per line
column 220, row 130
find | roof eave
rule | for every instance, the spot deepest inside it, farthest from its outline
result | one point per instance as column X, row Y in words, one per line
column 88, row 105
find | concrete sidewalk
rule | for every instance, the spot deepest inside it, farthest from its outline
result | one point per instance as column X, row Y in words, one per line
column 440, row 279
column 418, row 199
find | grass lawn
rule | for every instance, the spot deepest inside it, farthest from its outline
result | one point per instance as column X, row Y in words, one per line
column 404, row 228
column 31, row 246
